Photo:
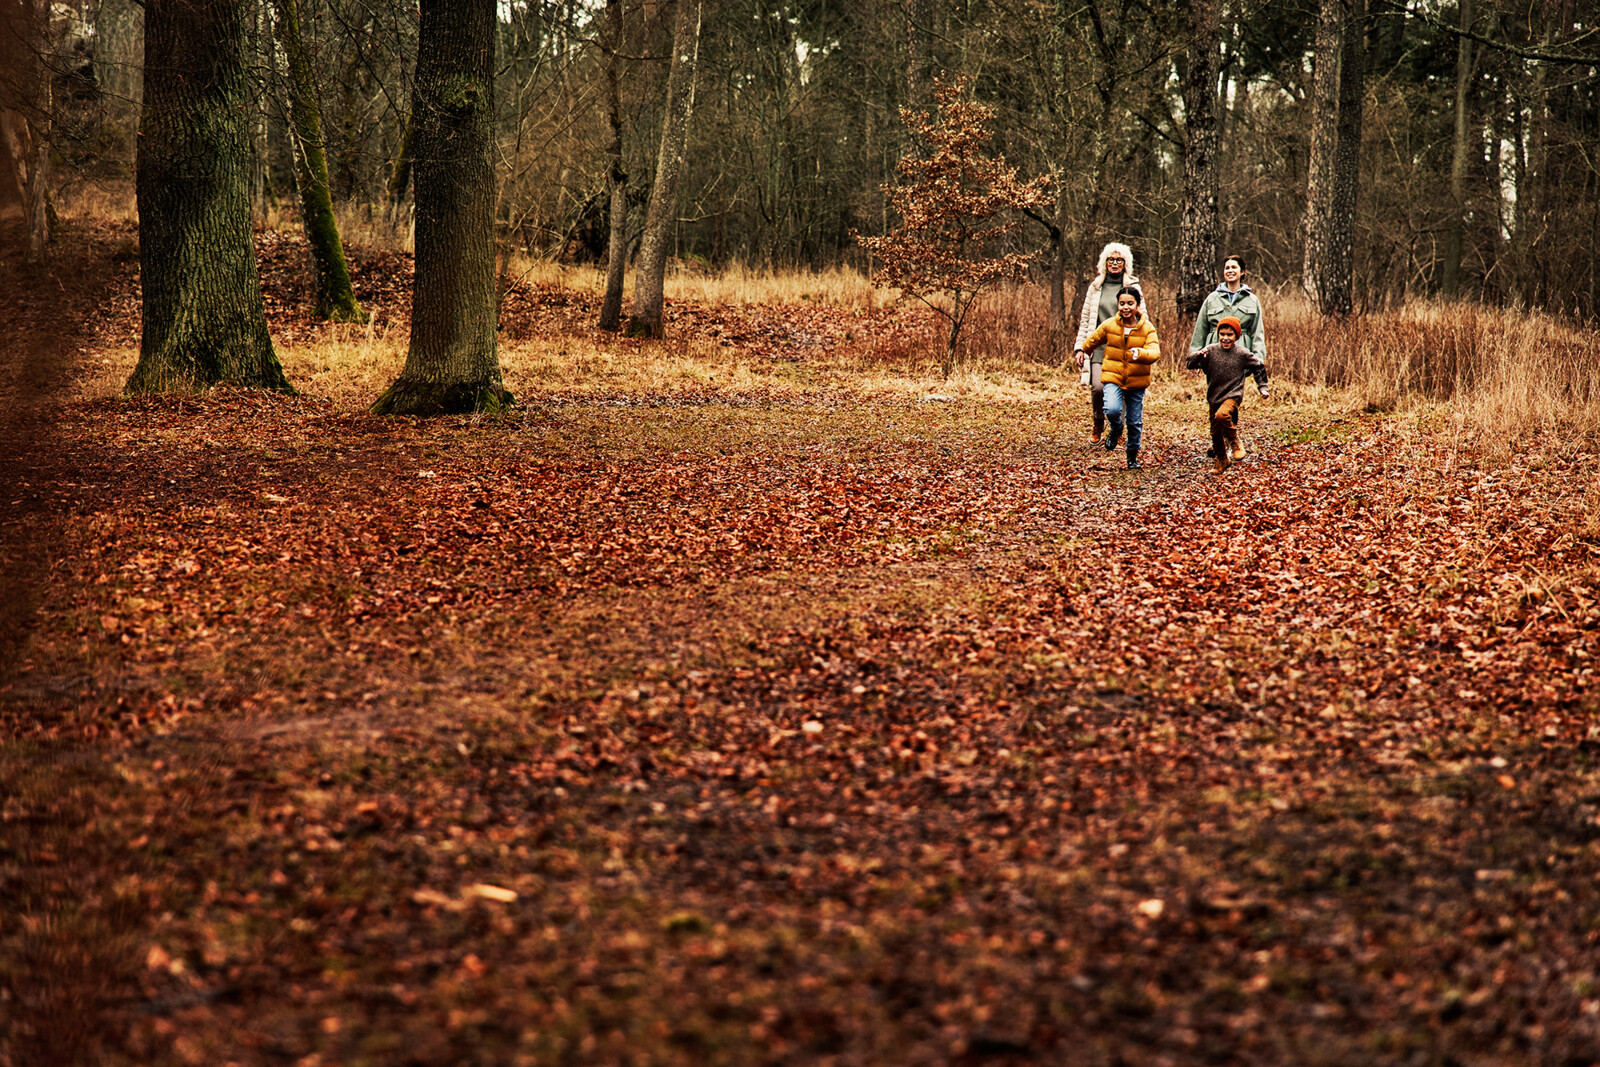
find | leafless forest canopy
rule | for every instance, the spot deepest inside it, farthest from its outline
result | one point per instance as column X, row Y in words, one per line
column 797, row 126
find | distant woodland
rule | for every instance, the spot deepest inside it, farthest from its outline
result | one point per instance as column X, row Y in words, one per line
column 1465, row 134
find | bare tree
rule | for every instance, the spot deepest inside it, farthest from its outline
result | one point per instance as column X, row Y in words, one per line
column 204, row 321
column 1334, row 171
column 1339, row 269
column 616, row 176
column 453, row 364
column 649, row 281
column 25, row 110
column 336, row 299
column 1459, row 151
column 1197, row 257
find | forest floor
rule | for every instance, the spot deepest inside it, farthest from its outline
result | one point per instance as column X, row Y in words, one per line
column 811, row 724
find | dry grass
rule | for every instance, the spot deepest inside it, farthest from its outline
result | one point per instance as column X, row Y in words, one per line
column 736, row 284
column 97, row 201
column 1505, row 372
column 1469, row 371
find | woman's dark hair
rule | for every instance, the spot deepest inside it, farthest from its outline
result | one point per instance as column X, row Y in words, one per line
column 1133, row 291
column 1239, row 260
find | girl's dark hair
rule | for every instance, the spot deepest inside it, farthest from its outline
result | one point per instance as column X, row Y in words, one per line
column 1133, row 291
column 1239, row 260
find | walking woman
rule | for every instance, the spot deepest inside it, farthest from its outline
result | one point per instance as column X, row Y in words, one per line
column 1113, row 273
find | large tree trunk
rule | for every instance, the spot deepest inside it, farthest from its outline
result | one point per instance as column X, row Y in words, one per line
column 453, row 365
column 616, row 176
column 649, row 280
column 1324, row 148
column 1197, row 257
column 336, row 299
column 1451, row 268
column 204, row 323
column 1339, row 270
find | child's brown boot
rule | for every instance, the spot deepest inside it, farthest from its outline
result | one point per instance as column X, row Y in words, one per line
column 1220, row 464
column 1236, row 449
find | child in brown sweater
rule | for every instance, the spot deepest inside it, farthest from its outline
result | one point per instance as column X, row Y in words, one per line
column 1226, row 364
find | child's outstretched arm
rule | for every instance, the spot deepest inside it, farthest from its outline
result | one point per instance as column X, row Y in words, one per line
column 1196, row 359
column 1258, row 371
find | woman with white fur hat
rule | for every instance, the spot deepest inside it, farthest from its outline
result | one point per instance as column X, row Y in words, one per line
column 1112, row 273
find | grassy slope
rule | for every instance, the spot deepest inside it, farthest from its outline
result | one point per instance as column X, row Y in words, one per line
column 804, row 719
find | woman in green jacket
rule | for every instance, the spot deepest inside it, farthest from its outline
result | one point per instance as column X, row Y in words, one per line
column 1232, row 298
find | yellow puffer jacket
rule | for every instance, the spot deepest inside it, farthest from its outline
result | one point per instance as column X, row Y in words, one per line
column 1121, row 369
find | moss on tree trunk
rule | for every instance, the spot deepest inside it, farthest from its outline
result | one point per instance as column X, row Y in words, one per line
column 336, row 299
column 204, row 323
column 453, row 364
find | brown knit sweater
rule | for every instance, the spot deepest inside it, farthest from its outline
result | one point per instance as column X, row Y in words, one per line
column 1226, row 370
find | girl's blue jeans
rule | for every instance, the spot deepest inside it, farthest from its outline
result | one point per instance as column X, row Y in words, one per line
column 1129, row 402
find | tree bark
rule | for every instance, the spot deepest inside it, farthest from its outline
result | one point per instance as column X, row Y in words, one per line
column 1061, row 335
column 1324, row 147
column 16, row 87
column 25, row 109
column 336, row 299
column 1339, row 269
column 204, row 323
column 650, row 278
column 453, row 365
column 1197, row 257
column 616, row 177
column 1450, row 269
column 259, row 42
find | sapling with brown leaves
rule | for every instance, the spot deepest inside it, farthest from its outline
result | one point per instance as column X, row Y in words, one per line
column 957, row 207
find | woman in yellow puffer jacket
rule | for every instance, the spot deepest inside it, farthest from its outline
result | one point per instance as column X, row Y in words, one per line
column 1131, row 347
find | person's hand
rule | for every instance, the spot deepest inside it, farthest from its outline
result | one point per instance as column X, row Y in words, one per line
column 1077, row 354
column 1133, row 353
column 1263, row 391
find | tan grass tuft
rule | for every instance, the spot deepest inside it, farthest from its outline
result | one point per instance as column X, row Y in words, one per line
column 736, row 284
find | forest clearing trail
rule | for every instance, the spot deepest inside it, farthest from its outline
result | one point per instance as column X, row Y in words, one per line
column 729, row 729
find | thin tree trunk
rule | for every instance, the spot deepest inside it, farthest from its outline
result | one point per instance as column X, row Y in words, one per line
column 616, row 177
column 918, row 97
column 649, row 280
column 204, row 323
column 1197, row 258
column 1339, row 269
column 36, row 190
column 1451, row 268
column 260, row 45
column 1533, row 192
column 1061, row 336
column 400, row 175
column 336, row 299
column 1324, row 148
column 453, row 364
